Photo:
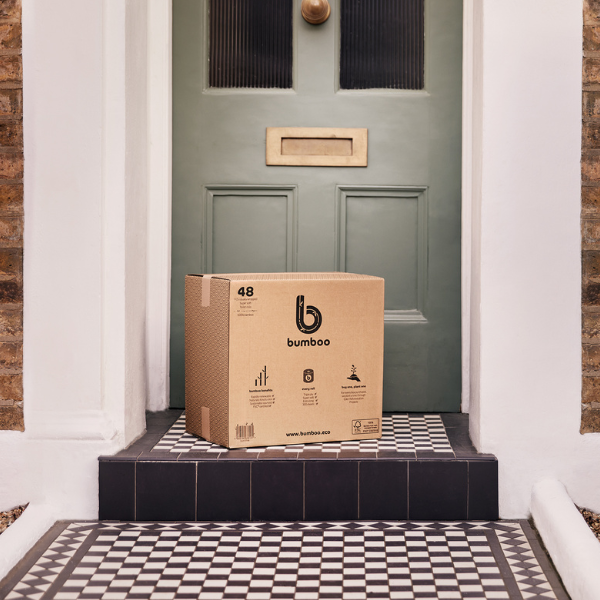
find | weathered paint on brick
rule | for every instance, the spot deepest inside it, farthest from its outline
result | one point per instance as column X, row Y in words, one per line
column 590, row 420
column 10, row 9
column 10, row 36
column 11, row 69
column 11, row 133
column 590, row 231
column 591, row 264
column 11, row 322
column 591, row 38
column 590, row 167
column 11, row 355
column 11, row 165
column 11, row 418
column 591, row 71
column 591, row 11
column 590, row 135
column 590, row 294
column 11, row 198
column 590, row 200
column 590, row 227
column 11, row 262
column 11, row 291
column 11, row 217
column 591, row 105
column 11, row 103
column 591, row 357
column 11, row 387
column 590, row 387
column 11, row 230
column 590, row 325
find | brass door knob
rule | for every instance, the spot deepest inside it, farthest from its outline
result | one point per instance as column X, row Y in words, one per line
column 315, row 12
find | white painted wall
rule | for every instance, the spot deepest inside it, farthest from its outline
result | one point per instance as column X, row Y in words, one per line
column 526, row 337
column 160, row 15
column 85, row 125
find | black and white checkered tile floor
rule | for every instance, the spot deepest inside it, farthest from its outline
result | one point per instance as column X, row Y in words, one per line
column 400, row 433
column 300, row 561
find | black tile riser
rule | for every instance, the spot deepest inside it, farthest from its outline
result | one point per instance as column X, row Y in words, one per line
column 438, row 490
column 277, row 491
column 383, row 490
column 312, row 490
column 116, row 496
column 330, row 490
column 165, row 491
column 223, row 491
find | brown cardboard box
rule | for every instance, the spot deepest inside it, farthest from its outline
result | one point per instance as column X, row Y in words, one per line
column 283, row 358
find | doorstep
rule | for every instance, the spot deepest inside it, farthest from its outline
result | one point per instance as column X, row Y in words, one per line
column 423, row 468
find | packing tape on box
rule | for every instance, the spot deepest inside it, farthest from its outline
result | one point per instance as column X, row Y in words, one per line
column 206, row 290
column 205, row 412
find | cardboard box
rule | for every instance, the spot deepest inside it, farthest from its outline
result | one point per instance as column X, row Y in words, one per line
column 283, row 358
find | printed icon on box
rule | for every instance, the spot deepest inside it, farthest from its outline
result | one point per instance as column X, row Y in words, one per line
column 354, row 376
column 262, row 378
column 357, row 426
column 310, row 310
column 309, row 376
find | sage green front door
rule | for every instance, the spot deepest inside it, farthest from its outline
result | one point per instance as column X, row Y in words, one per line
column 398, row 217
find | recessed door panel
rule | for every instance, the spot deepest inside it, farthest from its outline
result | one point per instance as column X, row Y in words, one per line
column 373, row 245
column 383, row 231
column 249, row 230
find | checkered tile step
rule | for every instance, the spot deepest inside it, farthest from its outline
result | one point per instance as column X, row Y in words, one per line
column 300, row 561
column 400, row 433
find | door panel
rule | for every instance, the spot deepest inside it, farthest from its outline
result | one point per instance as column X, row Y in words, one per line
column 383, row 231
column 373, row 244
column 250, row 229
column 398, row 217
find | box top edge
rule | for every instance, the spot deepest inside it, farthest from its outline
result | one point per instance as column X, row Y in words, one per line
column 316, row 276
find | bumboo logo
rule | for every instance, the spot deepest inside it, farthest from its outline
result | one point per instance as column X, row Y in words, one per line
column 315, row 313
column 311, row 310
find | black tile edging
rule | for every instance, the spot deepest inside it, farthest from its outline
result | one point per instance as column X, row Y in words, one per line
column 18, row 572
column 479, row 506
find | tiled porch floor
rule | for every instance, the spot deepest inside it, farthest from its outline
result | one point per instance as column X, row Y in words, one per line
column 355, row 560
column 401, row 434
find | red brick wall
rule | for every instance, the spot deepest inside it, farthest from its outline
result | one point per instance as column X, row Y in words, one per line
column 11, row 217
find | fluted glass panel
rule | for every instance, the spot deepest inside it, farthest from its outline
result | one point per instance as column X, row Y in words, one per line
column 250, row 43
column 382, row 44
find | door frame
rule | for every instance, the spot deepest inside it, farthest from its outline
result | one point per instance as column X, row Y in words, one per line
column 158, row 264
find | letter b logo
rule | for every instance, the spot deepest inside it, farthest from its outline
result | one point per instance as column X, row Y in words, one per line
column 311, row 310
